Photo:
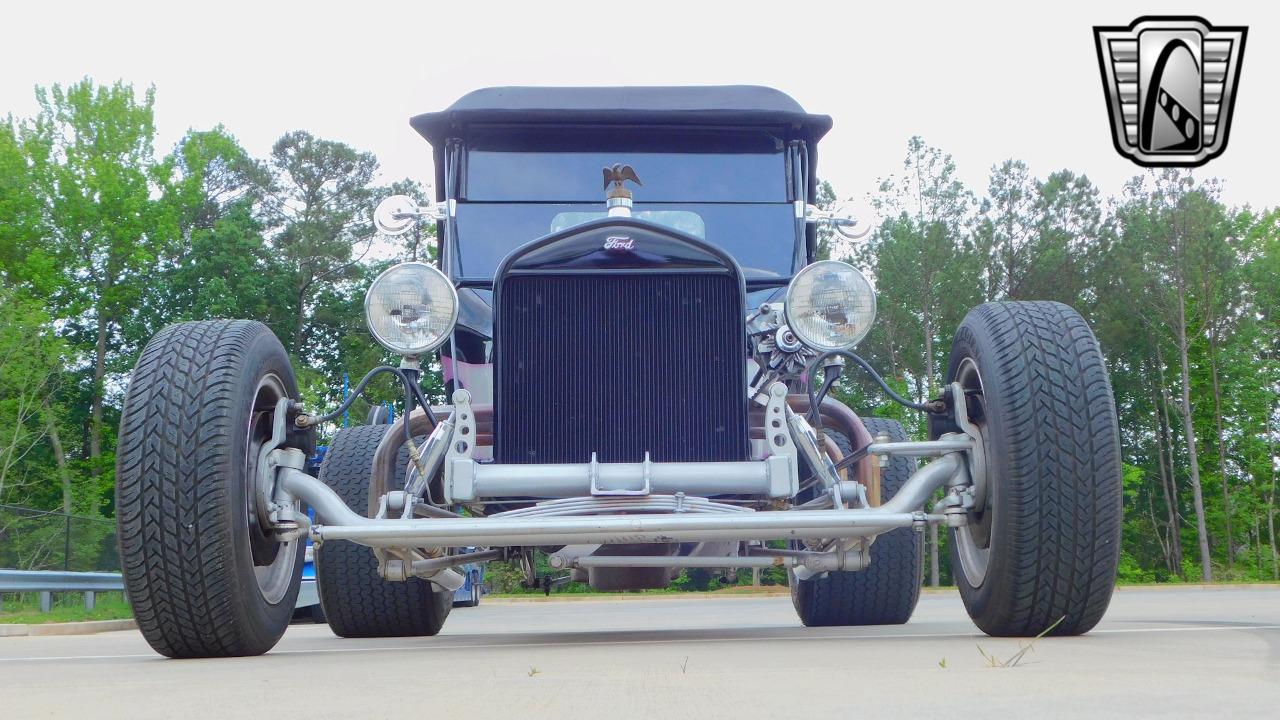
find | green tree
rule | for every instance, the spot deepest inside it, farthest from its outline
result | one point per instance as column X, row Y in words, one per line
column 322, row 207
column 1176, row 231
column 827, row 239
column 30, row 359
column 924, row 273
column 221, row 265
column 1258, row 337
column 93, row 170
column 25, row 261
column 1031, row 234
column 1006, row 229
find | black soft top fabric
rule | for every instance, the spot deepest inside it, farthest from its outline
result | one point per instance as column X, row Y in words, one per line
column 740, row 105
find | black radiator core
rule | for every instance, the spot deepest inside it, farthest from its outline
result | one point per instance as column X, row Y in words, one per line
column 620, row 364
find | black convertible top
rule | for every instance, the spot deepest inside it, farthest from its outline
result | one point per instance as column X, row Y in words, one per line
column 740, row 105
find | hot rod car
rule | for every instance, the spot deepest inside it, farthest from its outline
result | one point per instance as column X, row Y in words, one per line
column 637, row 342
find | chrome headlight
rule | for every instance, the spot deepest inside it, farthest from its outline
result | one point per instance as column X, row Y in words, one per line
column 411, row 308
column 830, row 305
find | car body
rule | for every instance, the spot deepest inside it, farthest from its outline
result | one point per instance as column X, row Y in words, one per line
column 631, row 320
column 719, row 193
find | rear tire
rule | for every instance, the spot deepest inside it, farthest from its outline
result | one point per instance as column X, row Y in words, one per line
column 886, row 592
column 357, row 601
column 204, row 576
column 1043, row 550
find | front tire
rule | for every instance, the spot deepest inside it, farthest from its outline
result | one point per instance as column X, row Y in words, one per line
column 204, row 576
column 887, row 590
column 1041, row 553
column 357, row 601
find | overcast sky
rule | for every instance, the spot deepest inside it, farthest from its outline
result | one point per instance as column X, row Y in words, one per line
column 984, row 81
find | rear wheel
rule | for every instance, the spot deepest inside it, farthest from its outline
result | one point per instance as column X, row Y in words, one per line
column 886, row 592
column 357, row 601
column 1042, row 549
column 204, row 574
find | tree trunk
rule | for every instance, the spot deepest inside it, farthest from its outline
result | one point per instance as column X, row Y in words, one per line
column 929, row 369
column 1008, row 250
column 1271, row 530
column 1222, row 456
column 1257, row 547
column 1271, row 518
column 1155, row 525
column 1166, row 446
column 59, row 457
column 95, row 408
column 302, row 319
column 1171, row 515
column 1189, row 429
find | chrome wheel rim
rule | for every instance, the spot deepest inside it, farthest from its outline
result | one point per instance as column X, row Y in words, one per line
column 974, row 540
column 273, row 562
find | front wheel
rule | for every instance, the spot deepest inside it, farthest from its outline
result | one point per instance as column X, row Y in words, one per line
column 205, row 576
column 1040, row 552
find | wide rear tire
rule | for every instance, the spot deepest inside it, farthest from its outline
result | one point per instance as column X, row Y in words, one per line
column 357, row 601
column 1041, row 552
column 204, row 576
column 886, row 592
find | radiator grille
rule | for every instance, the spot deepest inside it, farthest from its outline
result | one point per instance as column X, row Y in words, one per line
column 619, row 365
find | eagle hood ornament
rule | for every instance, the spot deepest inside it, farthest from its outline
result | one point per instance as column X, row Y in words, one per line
column 618, row 197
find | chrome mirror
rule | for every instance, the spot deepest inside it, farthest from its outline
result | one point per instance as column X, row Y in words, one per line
column 397, row 214
column 851, row 220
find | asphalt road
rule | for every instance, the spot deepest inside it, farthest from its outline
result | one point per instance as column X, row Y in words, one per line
column 1163, row 652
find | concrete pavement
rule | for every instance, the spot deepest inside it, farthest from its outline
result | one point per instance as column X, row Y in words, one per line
column 1166, row 653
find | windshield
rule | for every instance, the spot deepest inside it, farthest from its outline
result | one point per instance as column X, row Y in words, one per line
column 761, row 237
column 530, row 165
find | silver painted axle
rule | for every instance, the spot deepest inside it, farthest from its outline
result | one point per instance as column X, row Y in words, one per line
column 338, row 522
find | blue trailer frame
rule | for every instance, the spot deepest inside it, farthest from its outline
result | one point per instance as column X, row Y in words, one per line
column 473, row 589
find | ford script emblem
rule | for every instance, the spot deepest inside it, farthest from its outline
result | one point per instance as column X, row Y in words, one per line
column 617, row 242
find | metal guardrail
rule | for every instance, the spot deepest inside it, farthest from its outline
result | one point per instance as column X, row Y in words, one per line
column 47, row 582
